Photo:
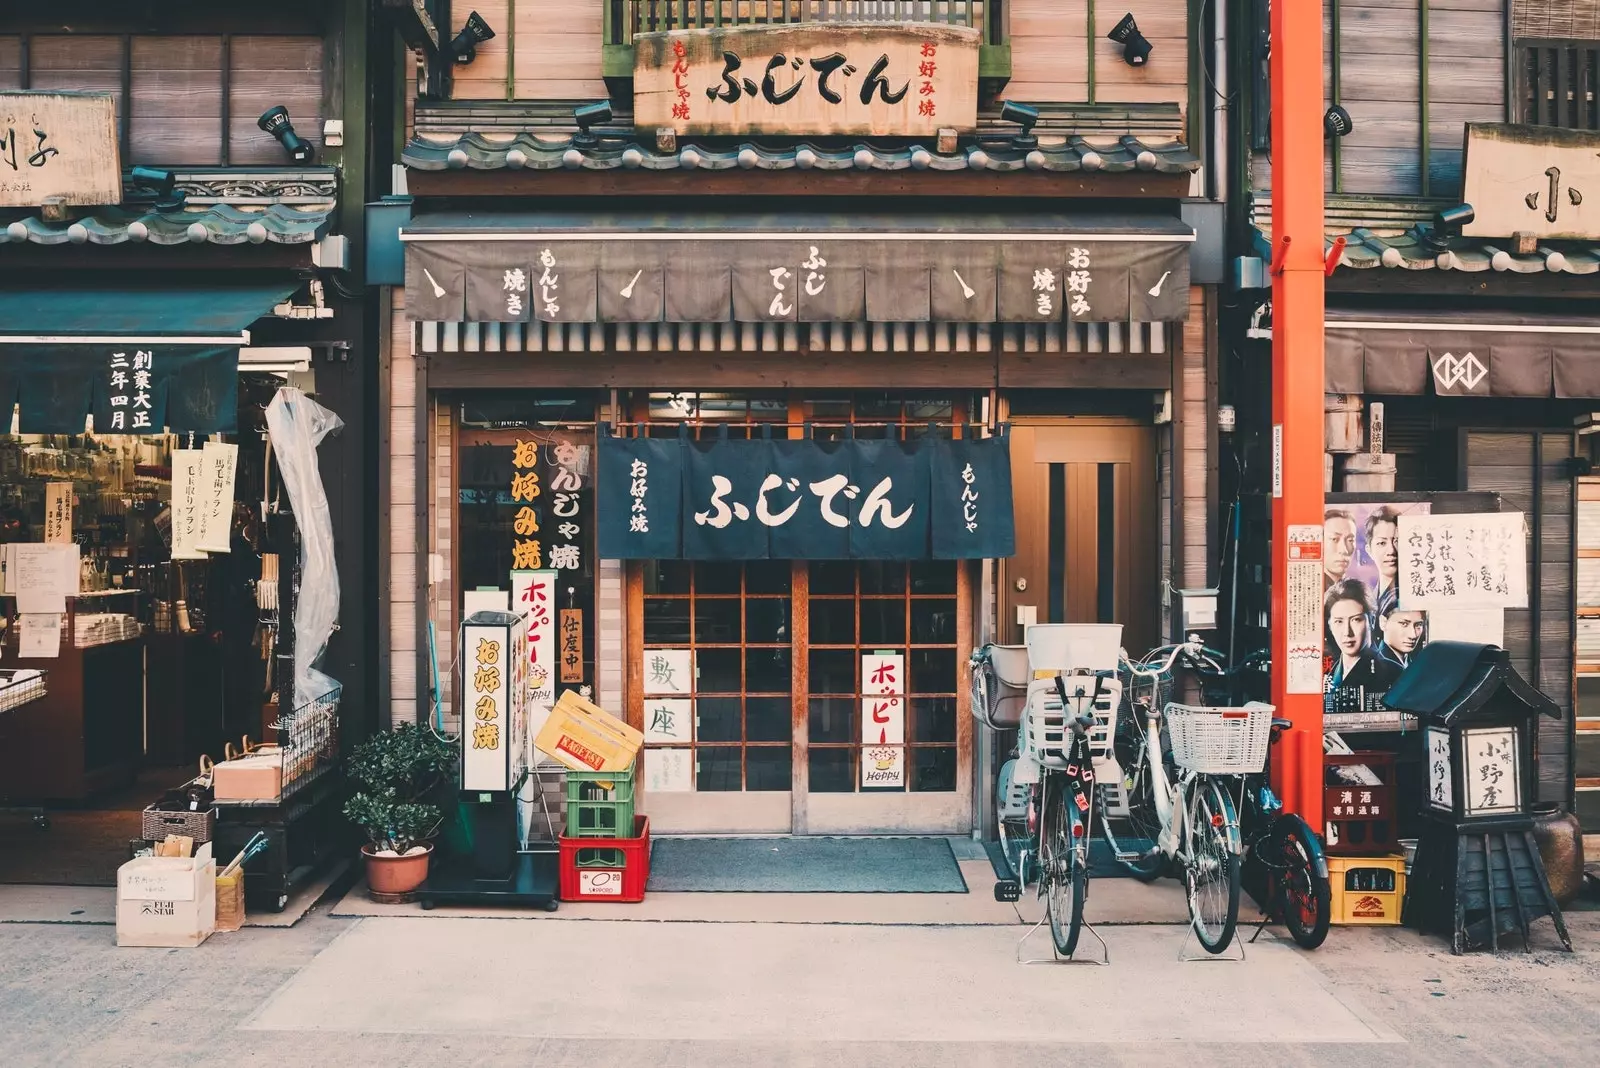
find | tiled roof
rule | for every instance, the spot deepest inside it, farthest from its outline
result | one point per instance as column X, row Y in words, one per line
column 487, row 152
column 216, row 224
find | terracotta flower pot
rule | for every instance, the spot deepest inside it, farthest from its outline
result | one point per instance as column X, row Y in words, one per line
column 396, row 874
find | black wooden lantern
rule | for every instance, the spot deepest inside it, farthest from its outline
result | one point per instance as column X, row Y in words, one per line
column 1479, row 721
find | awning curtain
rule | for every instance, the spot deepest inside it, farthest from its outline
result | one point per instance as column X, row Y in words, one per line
column 1454, row 354
column 141, row 361
column 632, row 269
column 664, row 498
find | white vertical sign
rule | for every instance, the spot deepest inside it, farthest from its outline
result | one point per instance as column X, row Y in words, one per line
column 186, row 467
column 218, row 462
column 1440, row 793
column 1493, row 771
column 1304, row 609
column 533, row 596
column 668, row 671
column 485, row 726
column 883, row 720
column 58, row 512
column 1463, row 561
column 1277, row 459
column 669, row 771
column 668, row 720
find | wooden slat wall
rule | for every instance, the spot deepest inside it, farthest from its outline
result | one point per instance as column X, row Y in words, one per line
column 1049, row 53
column 1571, row 19
column 268, row 71
column 1503, row 462
column 485, row 77
column 442, row 516
column 1165, row 76
column 1466, row 82
column 90, row 63
column 558, row 50
column 1381, row 88
column 10, row 63
column 177, row 100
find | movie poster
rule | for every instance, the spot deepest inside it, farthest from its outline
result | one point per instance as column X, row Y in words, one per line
column 1368, row 636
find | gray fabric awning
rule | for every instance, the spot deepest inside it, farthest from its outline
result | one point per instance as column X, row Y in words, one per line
column 566, row 268
column 1461, row 354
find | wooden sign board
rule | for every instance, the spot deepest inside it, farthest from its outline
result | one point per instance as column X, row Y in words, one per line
column 1532, row 179
column 860, row 79
column 58, row 145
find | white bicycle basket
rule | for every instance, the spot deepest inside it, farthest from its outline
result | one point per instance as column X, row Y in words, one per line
column 1047, row 736
column 1220, row 741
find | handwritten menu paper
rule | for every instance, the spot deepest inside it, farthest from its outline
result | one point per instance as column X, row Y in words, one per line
column 58, row 512
column 40, row 636
column 187, row 465
column 1463, row 561
column 218, row 461
column 43, row 576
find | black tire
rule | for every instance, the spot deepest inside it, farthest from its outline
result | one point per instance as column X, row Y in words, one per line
column 1211, row 875
column 1304, row 898
column 1014, row 842
column 1138, row 831
column 1063, row 879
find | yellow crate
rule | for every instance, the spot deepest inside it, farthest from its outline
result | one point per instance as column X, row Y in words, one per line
column 1367, row 890
column 585, row 737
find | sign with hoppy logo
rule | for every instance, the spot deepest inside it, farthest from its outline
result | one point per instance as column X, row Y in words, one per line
column 864, row 79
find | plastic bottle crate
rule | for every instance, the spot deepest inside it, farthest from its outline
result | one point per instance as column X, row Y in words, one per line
column 600, row 803
column 606, row 869
column 1367, row 890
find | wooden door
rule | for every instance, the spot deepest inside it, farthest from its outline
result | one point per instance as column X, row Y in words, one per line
column 1086, row 494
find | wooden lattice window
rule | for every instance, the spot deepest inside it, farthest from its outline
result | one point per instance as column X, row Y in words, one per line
column 1555, row 81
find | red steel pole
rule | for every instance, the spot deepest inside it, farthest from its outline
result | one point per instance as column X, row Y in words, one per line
column 1297, row 400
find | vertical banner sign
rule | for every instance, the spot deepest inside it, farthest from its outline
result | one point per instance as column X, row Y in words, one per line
column 566, row 482
column 186, row 468
column 533, row 596
column 484, row 728
column 883, row 720
column 1305, row 609
column 668, row 671
column 527, row 550
column 572, row 645
column 58, row 513
column 218, row 461
column 1441, row 794
column 669, row 771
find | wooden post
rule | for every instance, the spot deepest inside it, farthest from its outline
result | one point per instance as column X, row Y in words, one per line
column 1297, row 385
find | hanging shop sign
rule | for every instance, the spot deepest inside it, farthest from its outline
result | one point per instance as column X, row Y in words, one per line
column 883, row 720
column 218, row 461
column 840, row 271
column 58, row 512
column 723, row 499
column 59, row 145
column 868, row 79
column 187, row 507
column 533, row 596
column 1537, row 180
column 129, row 389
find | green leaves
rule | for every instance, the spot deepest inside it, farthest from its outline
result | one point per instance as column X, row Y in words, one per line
column 393, row 771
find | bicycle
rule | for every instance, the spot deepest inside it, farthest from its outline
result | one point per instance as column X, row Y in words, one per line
column 1208, row 833
column 1045, row 793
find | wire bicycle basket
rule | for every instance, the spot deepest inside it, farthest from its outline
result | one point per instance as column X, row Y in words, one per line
column 309, row 739
column 1220, row 740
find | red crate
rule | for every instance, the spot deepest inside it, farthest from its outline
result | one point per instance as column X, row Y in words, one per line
column 1361, row 817
column 607, row 869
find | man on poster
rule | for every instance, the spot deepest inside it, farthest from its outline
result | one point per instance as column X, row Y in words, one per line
column 1403, row 634
column 1382, row 531
column 1338, row 545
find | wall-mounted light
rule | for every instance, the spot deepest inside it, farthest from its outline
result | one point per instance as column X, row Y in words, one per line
column 276, row 122
column 1024, row 116
column 157, row 186
column 1135, row 47
column 465, row 46
column 1336, row 122
column 589, row 115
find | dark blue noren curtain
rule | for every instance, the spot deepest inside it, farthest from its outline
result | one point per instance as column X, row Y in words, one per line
column 972, row 507
column 640, row 497
column 184, row 388
column 890, row 520
column 805, row 534
column 722, row 481
column 202, row 391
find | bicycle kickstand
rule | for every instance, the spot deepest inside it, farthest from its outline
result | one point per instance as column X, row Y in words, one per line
column 1055, row 954
column 1187, row 958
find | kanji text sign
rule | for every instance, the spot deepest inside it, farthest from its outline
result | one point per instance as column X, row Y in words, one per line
column 58, row 145
column 841, row 78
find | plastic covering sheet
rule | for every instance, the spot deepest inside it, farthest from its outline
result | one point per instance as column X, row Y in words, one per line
column 296, row 425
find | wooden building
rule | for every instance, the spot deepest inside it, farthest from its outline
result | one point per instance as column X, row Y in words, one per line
column 618, row 220
column 1462, row 346
column 183, row 221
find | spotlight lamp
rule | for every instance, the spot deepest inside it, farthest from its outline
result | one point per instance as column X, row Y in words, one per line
column 1336, row 122
column 1135, row 47
column 588, row 115
column 276, row 122
column 465, row 46
column 159, row 186
column 1024, row 116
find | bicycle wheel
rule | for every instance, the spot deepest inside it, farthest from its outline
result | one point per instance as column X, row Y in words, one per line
column 1304, row 899
column 1211, row 871
column 1133, row 836
column 1063, row 877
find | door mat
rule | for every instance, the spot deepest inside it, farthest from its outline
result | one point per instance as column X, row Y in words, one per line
column 1102, row 862
column 805, row 866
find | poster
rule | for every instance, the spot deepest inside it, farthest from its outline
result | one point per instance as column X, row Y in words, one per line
column 218, row 461
column 668, row 720
column 1369, row 635
column 883, row 767
column 668, row 672
column 669, row 771
column 533, row 596
column 883, row 707
column 1464, row 561
column 1305, row 608
column 58, row 513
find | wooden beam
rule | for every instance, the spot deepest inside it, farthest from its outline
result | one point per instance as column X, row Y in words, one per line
column 510, row 183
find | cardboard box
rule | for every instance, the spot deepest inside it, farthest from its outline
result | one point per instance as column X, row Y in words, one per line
column 257, row 777
column 169, row 902
column 583, row 736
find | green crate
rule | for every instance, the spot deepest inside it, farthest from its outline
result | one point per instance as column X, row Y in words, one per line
column 600, row 803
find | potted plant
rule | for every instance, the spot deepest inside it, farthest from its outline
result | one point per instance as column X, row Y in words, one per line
column 394, row 773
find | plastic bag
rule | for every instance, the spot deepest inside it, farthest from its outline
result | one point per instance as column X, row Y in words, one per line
column 296, row 425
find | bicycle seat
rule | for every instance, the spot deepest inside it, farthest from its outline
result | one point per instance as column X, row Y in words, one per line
column 1281, row 724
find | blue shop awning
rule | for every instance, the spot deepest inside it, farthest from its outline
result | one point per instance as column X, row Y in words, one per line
column 143, row 361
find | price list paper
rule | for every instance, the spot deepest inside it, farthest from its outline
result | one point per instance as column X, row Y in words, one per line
column 1304, row 609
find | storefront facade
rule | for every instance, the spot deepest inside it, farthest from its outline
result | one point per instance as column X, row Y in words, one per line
column 897, row 395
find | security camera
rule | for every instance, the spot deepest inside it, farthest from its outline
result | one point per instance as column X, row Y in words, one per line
column 1025, row 117
column 588, row 115
column 276, row 122
column 1336, row 122
column 464, row 48
column 1135, row 47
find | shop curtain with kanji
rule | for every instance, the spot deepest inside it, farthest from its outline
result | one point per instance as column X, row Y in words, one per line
column 723, row 498
column 129, row 388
